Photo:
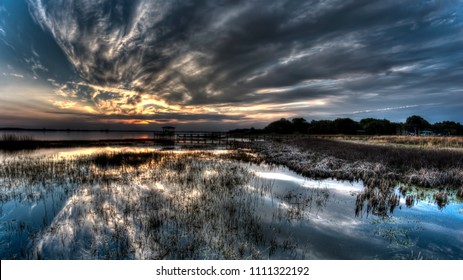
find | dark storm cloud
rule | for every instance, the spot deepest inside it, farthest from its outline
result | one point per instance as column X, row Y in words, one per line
column 356, row 37
column 364, row 54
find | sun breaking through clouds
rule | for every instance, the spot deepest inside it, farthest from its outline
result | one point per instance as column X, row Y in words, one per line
column 223, row 64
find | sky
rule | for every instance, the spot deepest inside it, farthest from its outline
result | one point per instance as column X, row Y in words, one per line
column 219, row 65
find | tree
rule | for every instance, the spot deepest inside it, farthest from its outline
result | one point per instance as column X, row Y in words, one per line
column 369, row 126
column 282, row 126
column 346, row 126
column 448, row 128
column 300, row 125
column 322, row 127
column 378, row 127
column 416, row 124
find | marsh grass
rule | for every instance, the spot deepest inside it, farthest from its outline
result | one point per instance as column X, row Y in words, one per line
column 12, row 142
column 380, row 168
column 460, row 193
column 426, row 141
column 117, row 159
column 396, row 158
column 298, row 205
column 143, row 205
column 438, row 142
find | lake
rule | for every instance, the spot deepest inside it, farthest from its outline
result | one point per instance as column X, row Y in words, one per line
column 139, row 203
column 80, row 135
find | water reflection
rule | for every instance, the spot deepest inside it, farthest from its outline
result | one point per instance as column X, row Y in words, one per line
column 139, row 203
column 79, row 135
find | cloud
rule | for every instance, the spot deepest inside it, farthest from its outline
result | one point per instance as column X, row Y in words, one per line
column 35, row 65
column 154, row 57
column 63, row 104
column 2, row 20
column 385, row 109
column 14, row 75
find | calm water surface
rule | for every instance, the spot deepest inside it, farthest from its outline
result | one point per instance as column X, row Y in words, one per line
column 308, row 219
column 80, row 135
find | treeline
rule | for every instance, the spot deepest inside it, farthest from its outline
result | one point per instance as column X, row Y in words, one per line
column 414, row 125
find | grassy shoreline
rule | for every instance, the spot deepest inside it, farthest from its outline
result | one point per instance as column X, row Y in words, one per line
column 380, row 168
column 324, row 158
column 30, row 144
column 434, row 142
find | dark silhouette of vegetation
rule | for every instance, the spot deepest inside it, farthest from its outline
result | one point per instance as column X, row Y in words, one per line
column 282, row 126
column 15, row 142
column 413, row 125
column 285, row 126
column 416, row 124
column 379, row 127
column 322, row 127
column 346, row 126
column 300, row 125
column 448, row 128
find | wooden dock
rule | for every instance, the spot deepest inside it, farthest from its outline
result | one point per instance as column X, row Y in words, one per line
column 212, row 137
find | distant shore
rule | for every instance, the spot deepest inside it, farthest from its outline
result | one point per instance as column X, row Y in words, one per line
column 48, row 144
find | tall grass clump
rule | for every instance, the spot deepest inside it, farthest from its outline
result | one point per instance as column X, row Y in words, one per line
column 17, row 142
column 460, row 193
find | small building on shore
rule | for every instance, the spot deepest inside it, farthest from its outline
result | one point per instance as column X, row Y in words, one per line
column 166, row 135
column 168, row 130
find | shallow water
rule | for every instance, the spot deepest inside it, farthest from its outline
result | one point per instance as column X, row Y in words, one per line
column 299, row 218
column 331, row 230
column 79, row 135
